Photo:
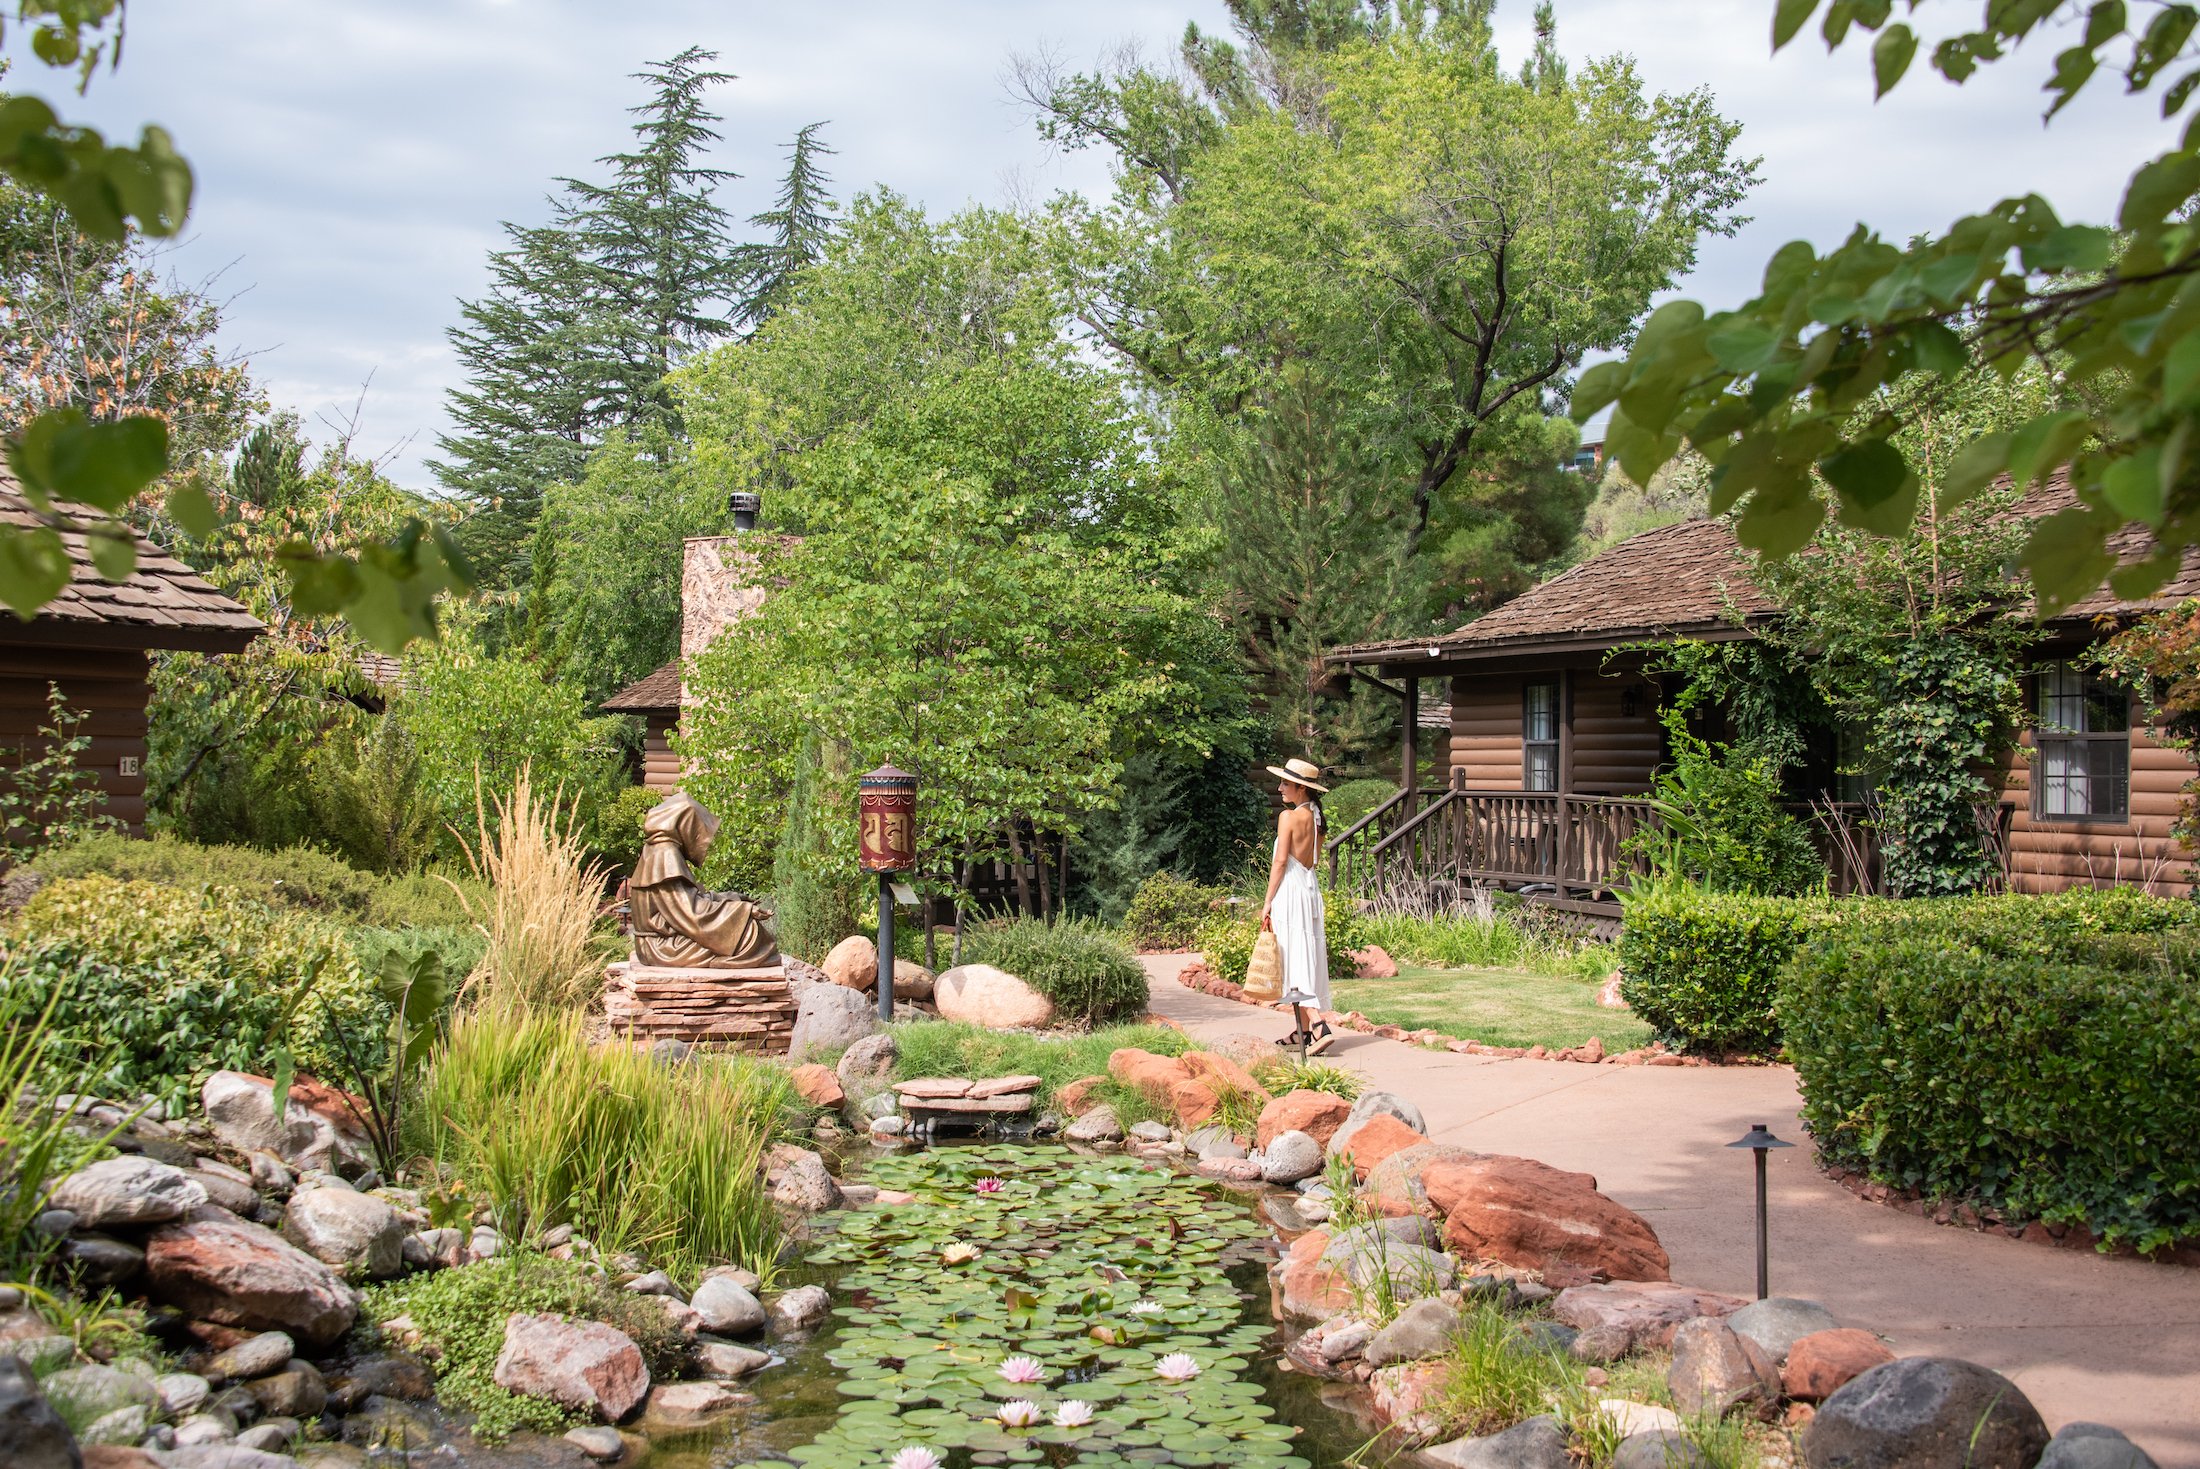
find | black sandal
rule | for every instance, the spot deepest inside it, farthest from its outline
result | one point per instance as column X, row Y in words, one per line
column 1320, row 1039
column 1294, row 1040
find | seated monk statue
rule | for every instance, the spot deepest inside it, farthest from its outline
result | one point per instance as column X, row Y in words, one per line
column 678, row 924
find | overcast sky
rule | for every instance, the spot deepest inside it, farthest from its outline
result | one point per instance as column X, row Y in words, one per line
column 355, row 159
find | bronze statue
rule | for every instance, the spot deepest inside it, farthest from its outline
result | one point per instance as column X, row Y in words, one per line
column 678, row 924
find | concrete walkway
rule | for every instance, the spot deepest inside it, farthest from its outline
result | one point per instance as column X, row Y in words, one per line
column 2087, row 1337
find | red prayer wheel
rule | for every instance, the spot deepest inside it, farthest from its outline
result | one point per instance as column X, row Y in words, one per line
column 886, row 820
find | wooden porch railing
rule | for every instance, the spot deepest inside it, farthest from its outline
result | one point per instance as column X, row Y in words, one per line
column 1573, row 843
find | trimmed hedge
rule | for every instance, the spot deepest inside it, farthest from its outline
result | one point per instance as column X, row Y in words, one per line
column 1702, row 969
column 1090, row 974
column 2040, row 1056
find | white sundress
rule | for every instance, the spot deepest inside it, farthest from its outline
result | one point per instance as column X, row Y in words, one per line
column 1297, row 916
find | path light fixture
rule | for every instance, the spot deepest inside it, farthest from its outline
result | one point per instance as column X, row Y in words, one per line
column 1759, row 1139
column 886, row 844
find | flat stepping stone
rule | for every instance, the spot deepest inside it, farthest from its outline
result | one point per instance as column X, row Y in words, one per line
column 1001, row 1086
column 1018, row 1102
column 933, row 1087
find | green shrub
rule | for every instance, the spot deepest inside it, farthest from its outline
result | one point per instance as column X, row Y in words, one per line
column 1351, row 801
column 300, row 878
column 619, row 825
column 1702, row 968
column 1722, row 819
column 1226, row 941
column 1168, row 911
column 2038, row 1055
column 460, row 949
column 461, row 1313
column 174, row 983
column 1088, row 972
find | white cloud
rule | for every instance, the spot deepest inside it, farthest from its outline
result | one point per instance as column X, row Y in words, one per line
column 355, row 156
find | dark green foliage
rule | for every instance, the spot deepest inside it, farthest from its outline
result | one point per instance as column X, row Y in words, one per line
column 1346, row 804
column 460, row 1315
column 797, row 229
column 169, row 984
column 1125, row 844
column 1169, row 911
column 1703, row 968
column 813, row 906
column 585, row 316
column 619, row 825
column 1720, row 820
column 2037, row 1055
column 1089, row 973
column 368, row 800
column 300, row 878
column 1224, row 817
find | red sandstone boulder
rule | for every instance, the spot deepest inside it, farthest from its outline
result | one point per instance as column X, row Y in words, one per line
column 215, row 1266
column 1395, row 1185
column 1378, row 1138
column 1307, row 1289
column 1222, row 1074
column 1155, row 1077
column 1071, row 1100
column 1644, row 1312
column 583, row 1365
column 1193, row 1102
column 817, row 1085
column 1529, row 1214
column 1405, row 1397
column 1317, row 1114
column 1821, row 1363
column 853, row 963
column 1374, row 962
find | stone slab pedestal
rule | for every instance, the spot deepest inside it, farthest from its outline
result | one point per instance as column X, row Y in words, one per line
column 739, row 1009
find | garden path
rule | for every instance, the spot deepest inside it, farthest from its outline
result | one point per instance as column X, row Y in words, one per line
column 2086, row 1336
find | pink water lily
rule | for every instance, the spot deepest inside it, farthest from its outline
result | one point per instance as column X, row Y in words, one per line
column 1023, row 1369
column 1177, row 1367
column 914, row 1457
column 990, row 1185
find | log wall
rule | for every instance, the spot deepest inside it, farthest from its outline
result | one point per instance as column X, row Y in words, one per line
column 2050, row 856
column 660, row 767
column 1485, row 731
column 1614, row 752
column 109, row 687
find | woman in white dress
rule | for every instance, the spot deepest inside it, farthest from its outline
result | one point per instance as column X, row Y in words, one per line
column 1293, row 910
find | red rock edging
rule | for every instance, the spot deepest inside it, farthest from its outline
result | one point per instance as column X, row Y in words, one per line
column 1987, row 1220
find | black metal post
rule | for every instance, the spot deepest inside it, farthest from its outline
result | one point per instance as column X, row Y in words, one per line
column 886, row 950
column 1764, row 1233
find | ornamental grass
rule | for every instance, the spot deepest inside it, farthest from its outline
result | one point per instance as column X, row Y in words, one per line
column 540, row 911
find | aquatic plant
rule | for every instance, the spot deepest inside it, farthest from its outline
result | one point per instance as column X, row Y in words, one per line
column 1074, row 1246
column 958, row 1252
column 1018, row 1413
column 1176, row 1367
column 988, row 1185
column 1023, row 1369
column 915, row 1456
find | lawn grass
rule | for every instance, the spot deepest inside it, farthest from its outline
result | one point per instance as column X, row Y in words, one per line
column 1499, row 1007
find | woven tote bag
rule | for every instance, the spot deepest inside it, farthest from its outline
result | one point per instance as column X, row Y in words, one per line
column 1264, row 971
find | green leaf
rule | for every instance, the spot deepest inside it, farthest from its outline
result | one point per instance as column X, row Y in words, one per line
column 2157, row 190
column 2164, row 39
column 1891, row 55
column 2067, row 557
column 192, row 508
column 2083, row 247
column 1597, row 387
column 1742, row 346
column 2073, row 69
column 2133, row 486
column 1788, row 18
column 1980, row 463
column 1866, row 473
column 2045, row 443
column 113, row 552
column 1779, row 527
column 1935, row 347
column 34, row 567
column 1888, row 517
column 98, row 464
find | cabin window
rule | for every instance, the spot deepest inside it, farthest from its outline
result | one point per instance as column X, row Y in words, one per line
column 2084, row 771
column 1539, row 736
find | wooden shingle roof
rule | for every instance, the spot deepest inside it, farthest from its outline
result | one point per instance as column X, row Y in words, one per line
column 1692, row 580
column 653, row 693
column 162, row 604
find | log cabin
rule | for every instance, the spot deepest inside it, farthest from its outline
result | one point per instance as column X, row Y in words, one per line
column 94, row 642
column 1555, row 737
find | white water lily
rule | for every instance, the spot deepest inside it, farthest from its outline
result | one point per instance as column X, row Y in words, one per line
column 914, row 1457
column 957, row 1252
column 1177, row 1367
column 1018, row 1413
column 1022, row 1369
column 1147, row 1308
column 1073, row 1413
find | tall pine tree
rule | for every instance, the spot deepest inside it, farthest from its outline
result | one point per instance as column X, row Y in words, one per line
column 586, row 315
column 797, row 229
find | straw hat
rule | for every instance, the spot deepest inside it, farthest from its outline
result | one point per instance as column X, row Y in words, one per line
column 1300, row 772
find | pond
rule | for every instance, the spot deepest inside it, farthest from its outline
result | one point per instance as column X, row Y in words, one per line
column 1037, row 1305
